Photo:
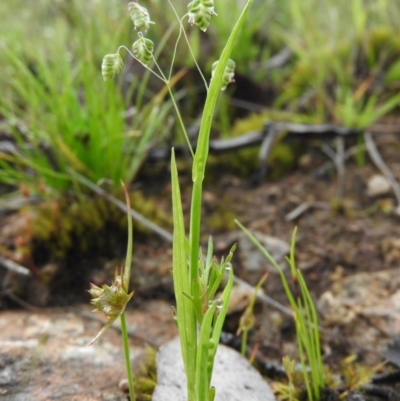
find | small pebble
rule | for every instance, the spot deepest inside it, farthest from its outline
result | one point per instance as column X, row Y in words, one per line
column 378, row 185
column 123, row 386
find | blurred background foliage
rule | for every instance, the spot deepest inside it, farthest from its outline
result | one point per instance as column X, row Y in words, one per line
column 333, row 61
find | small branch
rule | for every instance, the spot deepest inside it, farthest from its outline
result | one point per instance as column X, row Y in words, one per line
column 14, row 267
column 377, row 159
column 298, row 211
column 338, row 158
column 329, row 152
column 266, row 145
column 339, row 161
column 303, row 207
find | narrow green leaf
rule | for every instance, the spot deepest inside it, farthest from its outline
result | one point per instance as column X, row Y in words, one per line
column 202, row 377
column 285, row 283
column 185, row 312
column 211, row 394
column 201, row 155
column 212, row 95
column 217, row 330
column 210, row 253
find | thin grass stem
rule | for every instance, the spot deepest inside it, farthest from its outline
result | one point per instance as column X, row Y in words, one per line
column 244, row 343
column 161, row 77
column 178, row 114
column 182, row 29
column 125, row 341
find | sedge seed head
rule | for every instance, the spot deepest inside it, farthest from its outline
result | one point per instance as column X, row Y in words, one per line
column 110, row 300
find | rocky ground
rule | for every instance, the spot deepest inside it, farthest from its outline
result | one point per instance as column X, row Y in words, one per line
column 348, row 250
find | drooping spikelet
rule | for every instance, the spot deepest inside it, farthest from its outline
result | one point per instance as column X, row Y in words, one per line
column 111, row 66
column 200, row 13
column 140, row 16
column 143, row 50
column 228, row 73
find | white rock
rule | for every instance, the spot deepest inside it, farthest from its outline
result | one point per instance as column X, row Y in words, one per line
column 378, row 185
column 234, row 378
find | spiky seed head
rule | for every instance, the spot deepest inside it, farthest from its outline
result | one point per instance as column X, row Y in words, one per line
column 110, row 300
column 140, row 16
column 229, row 73
column 200, row 13
column 143, row 50
column 111, row 66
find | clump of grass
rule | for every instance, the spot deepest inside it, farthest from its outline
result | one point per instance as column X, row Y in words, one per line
column 306, row 322
column 339, row 72
column 60, row 117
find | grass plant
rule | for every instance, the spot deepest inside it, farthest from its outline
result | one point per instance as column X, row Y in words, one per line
column 196, row 281
column 60, row 119
column 58, row 113
column 306, row 323
column 343, row 61
column 197, row 278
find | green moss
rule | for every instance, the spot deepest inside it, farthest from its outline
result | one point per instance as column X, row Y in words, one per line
column 60, row 226
column 146, row 378
column 382, row 41
column 222, row 219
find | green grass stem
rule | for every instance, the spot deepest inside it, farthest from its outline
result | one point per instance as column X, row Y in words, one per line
column 185, row 313
column 305, row 317
column 128, row 365
column 201, row 155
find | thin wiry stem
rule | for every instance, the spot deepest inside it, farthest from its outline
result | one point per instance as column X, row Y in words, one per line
column 175, row 48
column 180, row 120
column 182, row 29
column 162, row 77
column 127, row 356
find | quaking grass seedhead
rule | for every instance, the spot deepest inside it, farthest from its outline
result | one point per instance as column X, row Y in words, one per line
column 200, row 13
column 111, row 66
column 140, row 16
column 143, row 50
column 229, row 73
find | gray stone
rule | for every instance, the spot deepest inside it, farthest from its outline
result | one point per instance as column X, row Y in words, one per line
column 234, row 378
column 255, row 263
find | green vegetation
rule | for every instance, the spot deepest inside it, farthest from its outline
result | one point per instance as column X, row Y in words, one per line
column 306, row 322
column 59, row 114
column 199, row 315
column 313, row 377
column 196, row 279
column 343, row 65
column 344, row 68
column 247, row 320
